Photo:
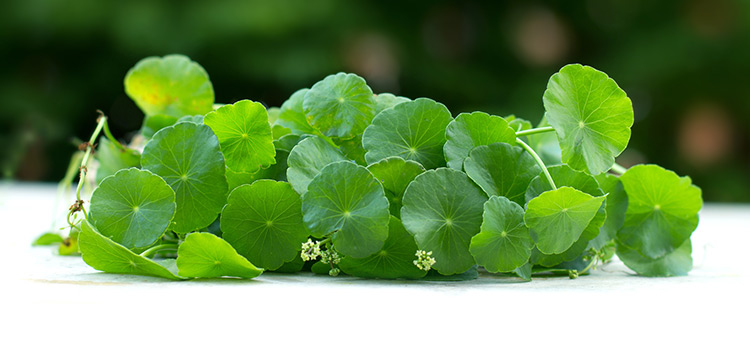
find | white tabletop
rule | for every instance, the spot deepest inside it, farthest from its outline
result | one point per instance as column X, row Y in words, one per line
column 58, row 301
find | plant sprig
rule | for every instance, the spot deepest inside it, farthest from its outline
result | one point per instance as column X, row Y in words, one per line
column 376, row 185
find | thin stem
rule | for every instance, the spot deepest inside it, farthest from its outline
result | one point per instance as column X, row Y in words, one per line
column 112, row 138
column 538, row 161
column 589, row 266
column 89, row 147
column 154, row 249
column 619, row 169
column 534, row 131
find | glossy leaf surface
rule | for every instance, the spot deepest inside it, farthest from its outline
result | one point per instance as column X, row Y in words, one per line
column 443, row 210
column 471, row 130
column 187, row 157
column 263, row 221
column 204, row 255
column 413, row 130
column 133, row 207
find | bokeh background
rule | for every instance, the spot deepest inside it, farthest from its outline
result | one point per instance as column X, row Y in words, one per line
column 685, row 65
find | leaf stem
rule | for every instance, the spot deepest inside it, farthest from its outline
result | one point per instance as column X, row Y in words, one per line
column 538, row 161
column 534, row 131
column 111, row 137
column 589, row 266
column 150, row 251
column 618, row 169
column 101, row 122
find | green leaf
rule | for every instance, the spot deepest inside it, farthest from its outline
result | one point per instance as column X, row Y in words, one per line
column 156, row 122
column 187, row 157
column 502, row 170
column 564, row 175
column 559, row 217
column 292, row 115
column 662, row 210
column 385, row 100
column 524, row 272
column 263, row 221
column 592, row 117
column 617, row 204
column 413, row 130
column 204, row 255
column 676, row 263
column 106, row 255
column 394, row 260
column 173, row 85
column 346, row 199
column 244, row 134
column 470, row 130
column 341, row 105
column 48, row 238
column 395, row 174
column 443, row 210
column 112, row 159
column 132, row 207
column 306, row 160
column 503, row 244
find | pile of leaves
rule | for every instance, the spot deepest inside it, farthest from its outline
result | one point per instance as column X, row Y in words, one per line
column 341, row 180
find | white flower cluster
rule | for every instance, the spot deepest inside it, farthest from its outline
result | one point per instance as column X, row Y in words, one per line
column 424, row 260
column 310, row 250
column 330, row 257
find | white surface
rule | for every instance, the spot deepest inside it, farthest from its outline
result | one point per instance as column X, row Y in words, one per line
column 57, row 301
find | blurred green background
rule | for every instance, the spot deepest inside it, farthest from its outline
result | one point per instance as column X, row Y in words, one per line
column 685, row 64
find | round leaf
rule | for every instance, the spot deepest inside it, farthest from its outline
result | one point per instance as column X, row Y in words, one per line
column 413, row 130
column 502, row 170
column 346, row 199
column 559, row 217
column 503, row 243
column 662, row 210
column 292, row 115
column 341, row 105
column 263, row 221
column 385, row 100
column 204, row 255
column 394, row 260
column 106, row 255
column 592, row 117
column 676, row 263
column 244, row 134
column 173, row 85
column 564, row 175
column 395, row 174
column 443, row 210
column 306, row 160
column 470, row 130
column 132, row 207
column 187, row 157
